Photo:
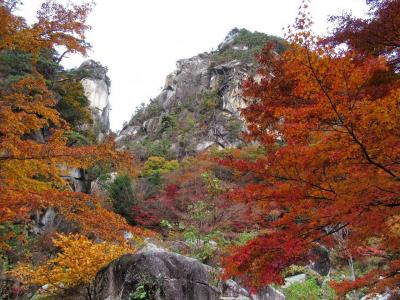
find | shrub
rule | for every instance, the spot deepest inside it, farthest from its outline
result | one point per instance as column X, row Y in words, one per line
column 78, row 139
column 210, row 100
column 158, row 165
column 244, row 237
column 168, row 122
column 234, row 127
column 72, row 102
column 308, row 290
column 122, row 194
column 143, row 112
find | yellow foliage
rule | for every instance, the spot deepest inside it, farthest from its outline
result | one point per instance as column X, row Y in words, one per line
column 75, row 265
column 158, row 165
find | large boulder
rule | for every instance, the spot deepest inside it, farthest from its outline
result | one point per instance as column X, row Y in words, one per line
column 320, row 260
column 166, row 275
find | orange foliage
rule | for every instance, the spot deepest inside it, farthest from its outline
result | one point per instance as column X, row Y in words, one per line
column 75, row 265
column 331, row 134
column 31, row 172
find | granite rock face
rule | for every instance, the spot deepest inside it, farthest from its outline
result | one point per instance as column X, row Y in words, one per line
column 165, row 275
column 202, row 97
column 184, row 91
column 321, row 262
column 169, row 276
column 231, row 290
column 97, row 85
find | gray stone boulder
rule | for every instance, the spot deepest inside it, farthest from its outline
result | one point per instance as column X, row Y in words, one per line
column 166, row 275
column 321, row 262
column 231, row 290
column 299, row 278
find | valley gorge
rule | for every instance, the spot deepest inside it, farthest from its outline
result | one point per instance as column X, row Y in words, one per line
column 264, row 169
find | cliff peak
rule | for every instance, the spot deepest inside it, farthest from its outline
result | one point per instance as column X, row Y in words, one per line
column 200, row 104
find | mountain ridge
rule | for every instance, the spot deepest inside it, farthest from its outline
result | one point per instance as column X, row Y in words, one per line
column 199, row 105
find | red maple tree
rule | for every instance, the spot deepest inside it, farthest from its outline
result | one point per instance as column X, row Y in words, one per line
column 329, row 121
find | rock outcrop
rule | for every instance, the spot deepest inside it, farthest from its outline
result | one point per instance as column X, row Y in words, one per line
column 164, row 275
column 97, row 85
column 161, row 274
column 321, row 262
column 199, row 105
column 231, row 290
column 78, row 180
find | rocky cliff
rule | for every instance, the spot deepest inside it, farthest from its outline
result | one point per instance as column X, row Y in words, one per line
column 199, row 105
column 97, row 85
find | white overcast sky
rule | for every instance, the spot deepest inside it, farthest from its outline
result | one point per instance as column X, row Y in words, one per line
column 140, row 41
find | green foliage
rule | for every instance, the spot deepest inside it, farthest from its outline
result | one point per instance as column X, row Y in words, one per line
column 210, row 100
column 79, row 139
column 5, row 265
column 244, row 237
column 168, row 122
column 189, row 104
column 203, row 246
column 13, row 66
column 234, row 127
column 250, row 153
column 158, row 148
column 327, row 293
column 308, row 290
column 48, row 65
column 257, row 39
column 101, row 171
column 203, row 241
column 254, row 41
column 122, row 194
column 147, row 289
column 206, row 252
column 147, row 148
column 145, row 112
column 72, row 102
column 139, row 294
column 166, row 224
column 153, row 185
column 154, row 109
column 12, row 230
column 152, row 172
